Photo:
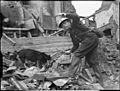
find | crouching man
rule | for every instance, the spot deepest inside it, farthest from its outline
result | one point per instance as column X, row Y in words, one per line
column 89, row 43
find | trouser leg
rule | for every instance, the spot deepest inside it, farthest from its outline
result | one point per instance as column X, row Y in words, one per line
column 93, row 60
column 74, row 66
column 98, row 73
column 87, row 45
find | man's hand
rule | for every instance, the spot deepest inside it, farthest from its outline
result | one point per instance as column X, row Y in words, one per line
column 68, row 52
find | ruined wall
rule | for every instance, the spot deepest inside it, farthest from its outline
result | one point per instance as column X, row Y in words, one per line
column 45, row 10
column 108, row 14
column 102, row 18
column 12, row 10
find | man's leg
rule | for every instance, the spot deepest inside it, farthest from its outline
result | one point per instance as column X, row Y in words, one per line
column 98, row 74
column 74, row 66
column 93, row 61
column 86, row 46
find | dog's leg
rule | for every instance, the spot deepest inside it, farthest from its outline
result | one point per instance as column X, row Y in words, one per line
column 38, row 64
column 21, row 64
column 25, row 64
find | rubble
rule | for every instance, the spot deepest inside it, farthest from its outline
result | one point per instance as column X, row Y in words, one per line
column 31, row 71
column 112, row 62
column 32, row 78
column 60, row 82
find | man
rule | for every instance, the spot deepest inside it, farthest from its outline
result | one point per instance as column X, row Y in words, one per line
column 79, row 33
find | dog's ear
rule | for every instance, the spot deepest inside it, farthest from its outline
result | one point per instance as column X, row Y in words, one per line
column 47, row 57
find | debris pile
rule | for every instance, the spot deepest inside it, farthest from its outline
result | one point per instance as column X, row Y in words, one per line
column 110, row 62
column 32, row 78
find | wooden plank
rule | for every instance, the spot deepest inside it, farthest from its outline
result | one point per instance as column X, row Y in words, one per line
column 15, row 82
column 53, row 49
column 49, row 44
column 23, row 85
column 56, row 32
column 8, row 38
column 12, row 29
column 43, row 44
column 52, row 38
column 43, row 40
column 89, row 74
column 45, row 48
column 46, row 42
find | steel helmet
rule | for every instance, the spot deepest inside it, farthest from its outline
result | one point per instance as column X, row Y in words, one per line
column 61, row 20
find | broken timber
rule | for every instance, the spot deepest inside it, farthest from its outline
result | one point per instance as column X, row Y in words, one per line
column 43, row 44
column 9, row 39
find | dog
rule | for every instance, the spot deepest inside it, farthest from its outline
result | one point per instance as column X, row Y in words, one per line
column 29, row 55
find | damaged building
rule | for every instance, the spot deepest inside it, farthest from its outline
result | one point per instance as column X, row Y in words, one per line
column 47, row 10
column 37, row 18
column 107, row 17
column 43, row 11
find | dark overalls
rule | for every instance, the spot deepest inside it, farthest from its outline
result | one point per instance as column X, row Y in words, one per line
column 88, row 48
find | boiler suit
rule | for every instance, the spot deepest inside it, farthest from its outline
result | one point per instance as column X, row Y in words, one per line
column 88, row 48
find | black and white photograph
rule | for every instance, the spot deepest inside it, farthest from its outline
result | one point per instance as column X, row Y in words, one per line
column 60, row 45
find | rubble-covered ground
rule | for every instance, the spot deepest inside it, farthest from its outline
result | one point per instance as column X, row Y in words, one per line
column 33, row 78
column 111, row 63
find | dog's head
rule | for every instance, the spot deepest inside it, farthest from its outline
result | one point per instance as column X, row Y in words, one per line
column 46, row 57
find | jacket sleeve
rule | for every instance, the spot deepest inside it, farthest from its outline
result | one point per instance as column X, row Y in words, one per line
column 75, row 42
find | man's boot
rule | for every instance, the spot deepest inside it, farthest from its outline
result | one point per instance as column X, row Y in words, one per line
column 98, row 74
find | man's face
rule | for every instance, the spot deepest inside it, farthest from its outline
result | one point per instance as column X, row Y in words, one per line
column 66, row 25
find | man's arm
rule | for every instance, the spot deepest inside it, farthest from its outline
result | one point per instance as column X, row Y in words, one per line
column 75, row 42
column 75, row 20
